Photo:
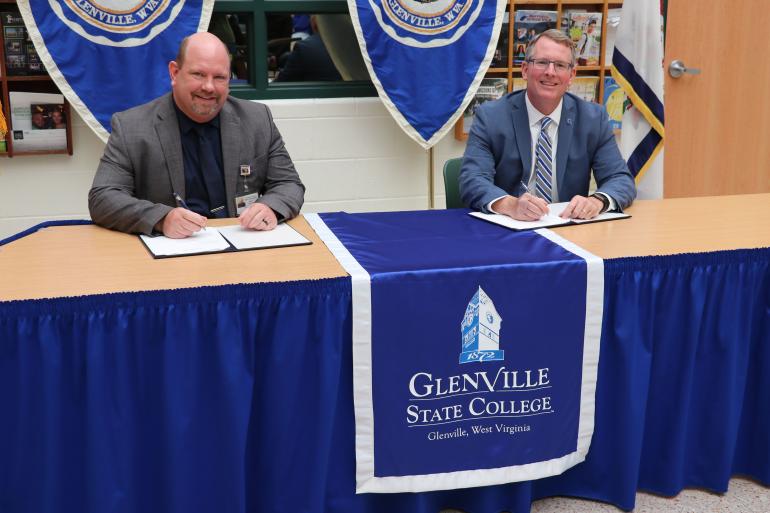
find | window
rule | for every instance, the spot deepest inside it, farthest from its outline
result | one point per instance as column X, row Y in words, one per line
column 291, row 49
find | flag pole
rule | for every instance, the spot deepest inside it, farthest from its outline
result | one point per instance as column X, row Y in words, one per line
column 431, row 205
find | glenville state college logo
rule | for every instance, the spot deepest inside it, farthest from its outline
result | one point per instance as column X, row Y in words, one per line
column 480, row 330
column 117, row 22
column 482, row 391
column 424, row 23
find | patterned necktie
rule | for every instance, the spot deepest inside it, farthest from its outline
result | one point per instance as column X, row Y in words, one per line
column 543, row 162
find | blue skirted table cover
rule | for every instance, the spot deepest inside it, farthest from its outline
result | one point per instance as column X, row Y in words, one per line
column 239, row 398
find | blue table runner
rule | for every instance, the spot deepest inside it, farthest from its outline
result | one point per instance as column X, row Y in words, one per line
column 468, row 344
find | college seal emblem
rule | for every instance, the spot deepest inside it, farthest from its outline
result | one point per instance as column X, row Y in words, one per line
column 426, row 22
column 117, row 22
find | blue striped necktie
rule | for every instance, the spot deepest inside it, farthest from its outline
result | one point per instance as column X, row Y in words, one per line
column 543, row 162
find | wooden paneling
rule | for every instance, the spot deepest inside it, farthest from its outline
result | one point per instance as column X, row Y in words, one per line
column 718, row 123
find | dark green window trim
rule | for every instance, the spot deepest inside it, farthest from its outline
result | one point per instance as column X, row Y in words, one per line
column 258, row 87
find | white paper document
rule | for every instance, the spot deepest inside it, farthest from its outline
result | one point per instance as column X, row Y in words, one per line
column 224, row 238
column 208, row 240
column 282, row 235
column 549, row 220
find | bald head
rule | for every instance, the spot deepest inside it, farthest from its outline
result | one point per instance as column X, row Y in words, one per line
column 199, row 38
column 200, row 76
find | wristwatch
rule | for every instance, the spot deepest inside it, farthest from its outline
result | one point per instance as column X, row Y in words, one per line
column 604, row 200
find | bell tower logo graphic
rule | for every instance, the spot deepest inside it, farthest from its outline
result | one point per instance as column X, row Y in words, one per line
column 480, row 330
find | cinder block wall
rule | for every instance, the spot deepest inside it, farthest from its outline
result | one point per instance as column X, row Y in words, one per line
column 349, row 152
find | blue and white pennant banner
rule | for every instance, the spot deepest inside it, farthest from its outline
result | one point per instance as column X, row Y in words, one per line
column 637, row 66
column 427, row 57
column 110, row 55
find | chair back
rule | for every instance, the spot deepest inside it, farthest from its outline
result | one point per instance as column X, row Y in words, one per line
column 452, row 184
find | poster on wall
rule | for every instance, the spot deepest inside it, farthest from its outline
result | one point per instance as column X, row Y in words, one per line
column 38, row 121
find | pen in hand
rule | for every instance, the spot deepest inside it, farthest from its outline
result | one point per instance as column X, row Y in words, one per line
column 181, row 203
column 535, row 200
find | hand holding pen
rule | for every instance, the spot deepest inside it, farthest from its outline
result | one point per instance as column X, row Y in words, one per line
column 527, row 207
column 182, row 222
column 530, row 207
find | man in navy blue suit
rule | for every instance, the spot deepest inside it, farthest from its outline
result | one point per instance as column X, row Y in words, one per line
column 499, row 172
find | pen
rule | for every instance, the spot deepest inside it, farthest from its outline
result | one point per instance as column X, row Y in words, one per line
column 180, row 203
column 526, row 190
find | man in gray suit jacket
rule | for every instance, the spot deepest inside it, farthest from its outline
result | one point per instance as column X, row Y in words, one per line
column 499, row 173
column 193, row 154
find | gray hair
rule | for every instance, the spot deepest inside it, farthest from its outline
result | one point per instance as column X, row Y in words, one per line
column 557, row 36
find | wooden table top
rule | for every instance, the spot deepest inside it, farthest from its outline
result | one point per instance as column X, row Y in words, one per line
column 682, row 225
column 84, row 260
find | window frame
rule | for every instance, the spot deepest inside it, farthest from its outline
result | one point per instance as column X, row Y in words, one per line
column 258, row 87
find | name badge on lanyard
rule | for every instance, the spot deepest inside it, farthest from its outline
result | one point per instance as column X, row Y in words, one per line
column 245, row 171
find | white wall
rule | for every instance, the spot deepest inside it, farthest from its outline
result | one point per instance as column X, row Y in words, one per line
column 349, row 152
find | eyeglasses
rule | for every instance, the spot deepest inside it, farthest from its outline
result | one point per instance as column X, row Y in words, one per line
column 542, row 65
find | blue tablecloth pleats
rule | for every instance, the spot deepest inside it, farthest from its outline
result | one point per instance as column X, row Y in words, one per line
column 239, row 398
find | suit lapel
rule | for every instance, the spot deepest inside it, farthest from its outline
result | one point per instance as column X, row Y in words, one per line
column 167, row 128
column 566, row 128
column 230, row 135
column 521, row 129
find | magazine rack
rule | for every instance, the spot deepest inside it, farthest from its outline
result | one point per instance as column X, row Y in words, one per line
column 32, row 83
column 509, row 71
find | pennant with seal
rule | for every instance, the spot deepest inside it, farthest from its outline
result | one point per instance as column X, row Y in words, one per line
column 427, row 57
column 110, row 55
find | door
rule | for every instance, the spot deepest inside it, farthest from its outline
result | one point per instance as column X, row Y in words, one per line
column 717, row 122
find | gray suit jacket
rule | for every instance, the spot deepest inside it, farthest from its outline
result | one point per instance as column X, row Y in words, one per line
column 142, row 165
column 498, row 156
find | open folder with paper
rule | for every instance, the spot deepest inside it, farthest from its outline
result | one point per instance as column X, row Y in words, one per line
column 222, row 239
column 549, row 220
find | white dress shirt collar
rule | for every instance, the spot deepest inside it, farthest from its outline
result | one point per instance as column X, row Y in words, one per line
column 535, row 116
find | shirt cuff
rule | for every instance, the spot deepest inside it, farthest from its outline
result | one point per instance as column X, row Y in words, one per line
column 489, row 205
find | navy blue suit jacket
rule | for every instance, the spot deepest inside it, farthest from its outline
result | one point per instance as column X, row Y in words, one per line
column 498, row 156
